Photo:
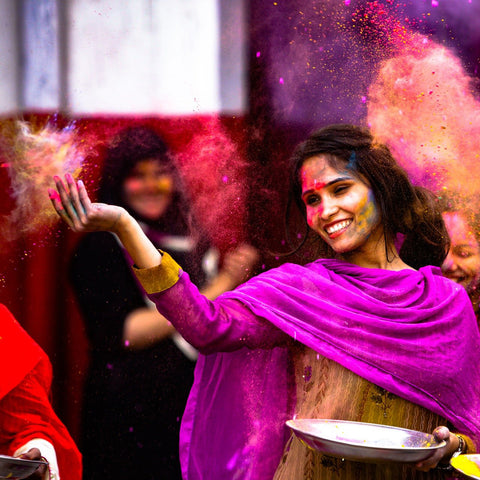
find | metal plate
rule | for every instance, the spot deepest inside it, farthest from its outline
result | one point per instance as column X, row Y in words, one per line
column 15, row 468
column 365, row 442
column 467, row 465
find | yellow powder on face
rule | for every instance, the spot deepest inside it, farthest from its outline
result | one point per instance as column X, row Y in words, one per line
column 467, row 464
column 165, row 185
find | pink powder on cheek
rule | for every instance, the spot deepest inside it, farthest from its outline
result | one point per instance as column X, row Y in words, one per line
column 312, row 213
column 133, row 184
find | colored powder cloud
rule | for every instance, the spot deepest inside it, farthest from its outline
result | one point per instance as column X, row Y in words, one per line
column 215, row 173
column 32, row 157
column 422, row 104
column 322, row 56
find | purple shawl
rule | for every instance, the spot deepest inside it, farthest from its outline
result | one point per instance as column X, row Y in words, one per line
column 413, row 333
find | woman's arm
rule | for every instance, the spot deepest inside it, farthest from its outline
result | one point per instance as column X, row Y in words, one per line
column 207, row 326
column 223, row 325
column 144, row 327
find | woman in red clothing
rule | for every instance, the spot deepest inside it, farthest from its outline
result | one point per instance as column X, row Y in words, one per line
column 29, row 427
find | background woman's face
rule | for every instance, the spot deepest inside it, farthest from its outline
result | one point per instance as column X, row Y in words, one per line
column 148, row 189
column 462, row 264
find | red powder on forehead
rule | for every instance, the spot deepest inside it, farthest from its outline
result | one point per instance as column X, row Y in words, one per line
column 318, row 185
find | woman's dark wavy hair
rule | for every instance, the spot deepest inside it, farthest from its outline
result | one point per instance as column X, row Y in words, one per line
column 406, row 209
column 129, row 147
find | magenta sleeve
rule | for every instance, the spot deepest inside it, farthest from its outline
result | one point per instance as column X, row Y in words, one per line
column 210, row 326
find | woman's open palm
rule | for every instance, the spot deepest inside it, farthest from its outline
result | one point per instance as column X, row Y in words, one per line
column 76, row 209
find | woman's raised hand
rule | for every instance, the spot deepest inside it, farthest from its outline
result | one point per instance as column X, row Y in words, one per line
column 75, row 208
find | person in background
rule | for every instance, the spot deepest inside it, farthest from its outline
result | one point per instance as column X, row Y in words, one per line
column 462, row 264
column 141, row 369
column 29, row 427
column 364, row 333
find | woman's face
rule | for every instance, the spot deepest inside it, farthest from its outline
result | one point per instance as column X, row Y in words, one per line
column 148, row 189
column 340, row 207
column 462, row 264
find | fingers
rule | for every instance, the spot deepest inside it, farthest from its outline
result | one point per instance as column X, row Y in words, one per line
column 239, row 263
column 32, row 454
column 244, row 256
column 428, row 464
column 84, row 198
column 78, row 208
column 57, row 204
column 440, row 433
column 69, row 213
column 70, row 203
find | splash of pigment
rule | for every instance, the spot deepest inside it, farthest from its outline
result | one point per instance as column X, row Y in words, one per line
column 326, row 54
column 32, row 158
column 215, row 173
column 423, row 106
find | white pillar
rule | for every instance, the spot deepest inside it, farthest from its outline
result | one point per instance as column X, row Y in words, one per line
column 165, row 57
column 41, row 56
column 233, row 56
column 9, row 54
column 143, row 56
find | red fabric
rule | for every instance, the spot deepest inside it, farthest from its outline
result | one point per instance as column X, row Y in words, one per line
column 18, row 352
column 25, row 408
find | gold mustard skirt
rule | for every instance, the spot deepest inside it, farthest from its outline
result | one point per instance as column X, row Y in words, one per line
column 325, row 389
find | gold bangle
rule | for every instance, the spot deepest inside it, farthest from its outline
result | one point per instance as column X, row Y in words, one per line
column 462, row 445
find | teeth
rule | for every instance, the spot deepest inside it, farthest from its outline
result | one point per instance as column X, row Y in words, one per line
column 338, row 226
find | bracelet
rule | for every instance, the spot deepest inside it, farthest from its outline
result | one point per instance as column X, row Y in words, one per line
column 459, row 451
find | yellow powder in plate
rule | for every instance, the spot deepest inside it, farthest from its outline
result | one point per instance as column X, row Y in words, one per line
column 467, row 464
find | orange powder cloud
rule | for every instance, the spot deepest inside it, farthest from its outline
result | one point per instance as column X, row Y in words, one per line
column 422, row 104
column 32, row 159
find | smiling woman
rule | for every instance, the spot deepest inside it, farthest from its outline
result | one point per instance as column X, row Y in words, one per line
column 361, row 336
column 462, row 264
column 346, row 165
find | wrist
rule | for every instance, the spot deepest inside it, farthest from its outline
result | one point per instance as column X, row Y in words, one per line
column 123, row 223
column 460, row 449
